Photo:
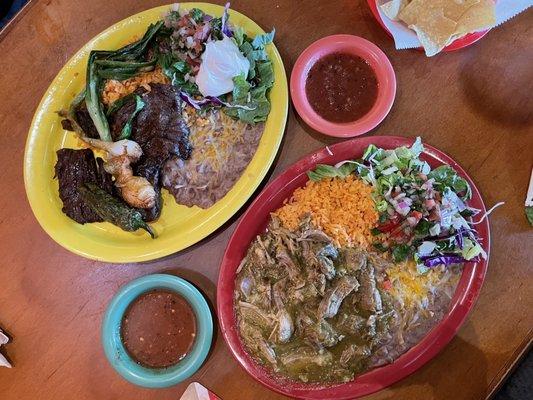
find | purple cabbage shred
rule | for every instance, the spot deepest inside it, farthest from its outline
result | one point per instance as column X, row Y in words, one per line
column 197, row 104
column 225, row 26
column 209, row 100
column 459, row 237
column 444, row 259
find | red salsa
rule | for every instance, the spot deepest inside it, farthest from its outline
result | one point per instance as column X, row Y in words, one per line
column 158, row 329
column 341, row 87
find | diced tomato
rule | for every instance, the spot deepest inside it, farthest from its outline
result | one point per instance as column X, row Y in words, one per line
column 197, row 46
column 390, row 225
column 194, row 63
column 416, row 214
column 387, row 285
column 401, row 234
column 429, row 204
column 183, row 21
column 434, row 215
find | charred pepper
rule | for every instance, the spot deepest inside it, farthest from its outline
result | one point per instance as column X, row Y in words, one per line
column 113, row 210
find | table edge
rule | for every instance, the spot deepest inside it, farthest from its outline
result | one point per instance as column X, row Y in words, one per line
column 510, row 366
column 16, row 19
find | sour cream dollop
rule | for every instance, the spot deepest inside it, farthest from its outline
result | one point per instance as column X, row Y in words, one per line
column 221, row 62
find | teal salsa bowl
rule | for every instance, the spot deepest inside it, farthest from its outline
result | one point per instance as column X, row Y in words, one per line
column 117, row 354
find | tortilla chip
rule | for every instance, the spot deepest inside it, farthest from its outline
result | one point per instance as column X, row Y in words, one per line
column 412, row 11
column 477, row 18
column 430, row 47
column 393, row 8
column 434, row 32
column 437, row 23
column 433, row 28
column 454, row 9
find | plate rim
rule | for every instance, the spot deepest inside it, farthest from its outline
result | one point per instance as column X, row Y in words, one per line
column 425, row 350
column 39, row 209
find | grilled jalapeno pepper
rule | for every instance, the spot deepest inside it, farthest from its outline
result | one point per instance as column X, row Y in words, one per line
column 113, row 210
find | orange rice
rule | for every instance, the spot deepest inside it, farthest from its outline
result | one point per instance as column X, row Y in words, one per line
column 342, row 208
column 114, row 90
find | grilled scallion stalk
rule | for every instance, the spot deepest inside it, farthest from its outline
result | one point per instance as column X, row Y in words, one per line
column 135, row 51
column 120, row 70
column 70, row 114
column 126, row 130
column 92, row 98
column 113, row 210
column 117, row 104
column 120, row 64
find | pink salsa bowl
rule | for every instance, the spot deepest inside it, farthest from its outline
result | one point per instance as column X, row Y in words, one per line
column 352, row 45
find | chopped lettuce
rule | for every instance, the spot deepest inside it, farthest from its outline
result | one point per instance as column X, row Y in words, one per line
column 241, row 88
column 260, row 41
column 176, row 71
column 250, row 93
column 259, row 107
column 419, row 165
column 196, row 14
column 417, row 147
column 322, row 171
column 529, row 215
column 370, row 151
column 387, row 162
column 255, row 100
column 401, row 252
column 446, row 176
column 426, row 248
column 252, row 104
column 238, row 36
column 254, row 50
column 434, row 230
column 265, row 74
column 472, row 249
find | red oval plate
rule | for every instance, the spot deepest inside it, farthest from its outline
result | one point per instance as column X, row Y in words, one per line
column 254, row 222
column 465, row 41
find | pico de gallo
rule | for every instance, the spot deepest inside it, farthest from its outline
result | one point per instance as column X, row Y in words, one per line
column 423, row 211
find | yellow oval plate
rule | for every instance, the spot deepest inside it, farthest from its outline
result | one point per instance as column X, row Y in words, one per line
column 179, row 226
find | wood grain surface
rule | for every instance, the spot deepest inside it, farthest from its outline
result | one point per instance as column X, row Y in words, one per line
column 475, row 104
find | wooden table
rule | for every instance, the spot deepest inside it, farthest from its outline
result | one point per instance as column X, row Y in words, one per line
column 474, row 104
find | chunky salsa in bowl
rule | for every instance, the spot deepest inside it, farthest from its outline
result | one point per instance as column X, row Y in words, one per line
column 157, row 331
column 343, row 85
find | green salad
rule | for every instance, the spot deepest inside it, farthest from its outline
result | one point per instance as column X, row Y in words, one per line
column 423, row 211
